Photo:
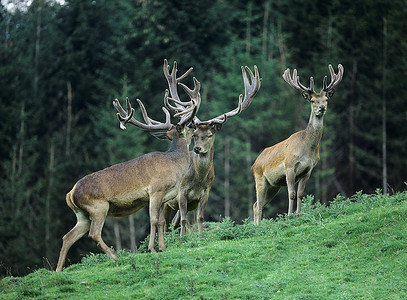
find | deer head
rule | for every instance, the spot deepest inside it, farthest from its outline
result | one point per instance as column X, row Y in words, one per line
column 319, row 101
column 158, row 129
column 204, row 130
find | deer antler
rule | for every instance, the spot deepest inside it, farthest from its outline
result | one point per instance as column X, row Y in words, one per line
column 173, row 82
column 295, row 82
column 181, row 108
column 335, row 78
column 250, row 91
column 193, row 94
column 187, row 113
column 149, row 125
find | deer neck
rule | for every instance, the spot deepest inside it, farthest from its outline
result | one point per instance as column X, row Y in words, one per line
column 314, row 130
column 203, row 163
column 179, row 145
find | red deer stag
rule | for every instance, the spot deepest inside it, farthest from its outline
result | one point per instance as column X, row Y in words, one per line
column 293, row 159
column 198, row 181
column 122, row 189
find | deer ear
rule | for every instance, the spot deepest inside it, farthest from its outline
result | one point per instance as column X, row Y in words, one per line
column 179, row 128
column 191, row 125
column 306, row 96
column 330, row 93
column 216, row 127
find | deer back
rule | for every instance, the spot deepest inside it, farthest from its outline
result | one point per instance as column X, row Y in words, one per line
column 127, row 186
column 292, row 152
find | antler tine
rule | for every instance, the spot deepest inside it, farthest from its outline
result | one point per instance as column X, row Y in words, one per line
column 251, row 88
column 146, row 118
column 235, row 111
column 182, row 109
column 182, row 106
column 295, row 81
column 186, row 110
column 193, row 94
column 127, row 115
column 151, row 125
column 172, row 84
column 188, row 114
column 311, row 83
column 335, row 78
column 167, row 102
column 185, row 74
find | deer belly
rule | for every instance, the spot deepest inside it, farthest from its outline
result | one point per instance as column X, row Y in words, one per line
column 195, row 194
column 173, row 204
column 276, row 176
column 173, row 201
column 301, row 174
column 192, row 205
column 127, row 204
column 122, row 211
column 302, row 169
column 171, row 195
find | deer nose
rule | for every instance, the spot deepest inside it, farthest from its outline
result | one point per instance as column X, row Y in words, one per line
column 197, row 149
column 322, row 107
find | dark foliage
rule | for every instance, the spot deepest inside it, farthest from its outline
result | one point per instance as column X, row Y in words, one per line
column 62, row 65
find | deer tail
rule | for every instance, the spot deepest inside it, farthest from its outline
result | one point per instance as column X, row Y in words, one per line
column 69, row 199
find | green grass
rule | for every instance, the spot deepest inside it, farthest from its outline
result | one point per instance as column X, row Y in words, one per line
column 354, row 249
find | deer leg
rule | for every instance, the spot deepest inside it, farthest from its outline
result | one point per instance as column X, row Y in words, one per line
column 261, row 196
column 201, row 208
column 301, row 189
column 161, row 228
column 154, row 210
column 98, row 216
column 166, row 214
column 81, row 227
column 176, row 219
column 183, row 213
column 290, row 178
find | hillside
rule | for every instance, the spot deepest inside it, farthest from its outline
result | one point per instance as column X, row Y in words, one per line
column 354, row 249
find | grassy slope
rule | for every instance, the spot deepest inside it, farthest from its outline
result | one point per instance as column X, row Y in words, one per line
column 354, row 249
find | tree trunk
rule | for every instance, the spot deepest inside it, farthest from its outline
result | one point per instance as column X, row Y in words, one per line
column 384, row 130
column 227, row 178
column 68, row 119
column 7, row 32
column 132, row 233
column 37, row 50
column 317, row 185
column 351, row 132
column 248, row 27
column 125, row 84
column 324, row 186
column 249, row 180
column 51, row 169
column 281, row 45
column 118, row 240
column 265, row 28
column 13, row 171
column 21, row 140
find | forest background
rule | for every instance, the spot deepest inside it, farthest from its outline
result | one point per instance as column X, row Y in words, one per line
column 62, row 64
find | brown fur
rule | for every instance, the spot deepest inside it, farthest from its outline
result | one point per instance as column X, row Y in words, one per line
column 122, row 189
column 293, row 159
column 289, row 161
column 196, row 185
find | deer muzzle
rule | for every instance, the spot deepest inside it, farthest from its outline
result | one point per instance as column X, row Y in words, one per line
column 197, row 149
